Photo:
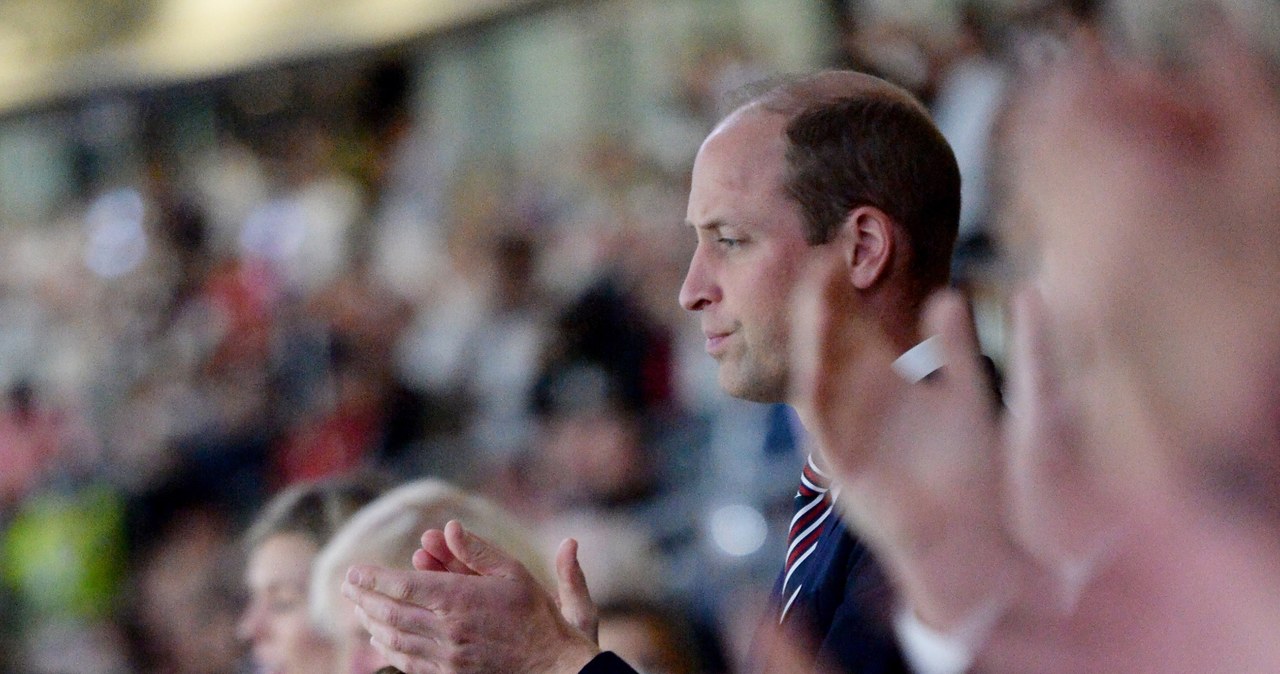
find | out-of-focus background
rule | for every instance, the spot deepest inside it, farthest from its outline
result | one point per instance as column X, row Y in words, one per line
column 245, row 243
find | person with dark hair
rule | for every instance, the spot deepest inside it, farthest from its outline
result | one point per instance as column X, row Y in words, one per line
column 873, row 188
column 281, row 546
column 836, row 168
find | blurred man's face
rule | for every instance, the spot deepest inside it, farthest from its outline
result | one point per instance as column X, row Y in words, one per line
column 750, row 253
column 1153, row 201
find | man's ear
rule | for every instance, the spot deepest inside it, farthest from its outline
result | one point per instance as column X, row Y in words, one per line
column 869, row 245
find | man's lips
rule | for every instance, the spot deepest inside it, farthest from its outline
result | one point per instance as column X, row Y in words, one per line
column 717, row 342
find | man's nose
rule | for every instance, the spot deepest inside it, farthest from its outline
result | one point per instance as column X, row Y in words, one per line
column 699, row 288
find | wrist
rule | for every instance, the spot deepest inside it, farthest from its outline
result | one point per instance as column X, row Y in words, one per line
column 574, row 656
column 964, row 577
column 929, row 650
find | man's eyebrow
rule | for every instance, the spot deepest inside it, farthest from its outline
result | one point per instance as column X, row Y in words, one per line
column 709, row 225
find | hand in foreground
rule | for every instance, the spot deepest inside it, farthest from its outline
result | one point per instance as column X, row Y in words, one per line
column 1061, row 510
column 918, row 465
column 472, row 609
column 971, row 514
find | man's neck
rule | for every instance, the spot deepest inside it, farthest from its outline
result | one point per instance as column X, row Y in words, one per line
column 903, row 338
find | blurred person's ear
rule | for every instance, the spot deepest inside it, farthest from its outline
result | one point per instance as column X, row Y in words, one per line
column 868, row 245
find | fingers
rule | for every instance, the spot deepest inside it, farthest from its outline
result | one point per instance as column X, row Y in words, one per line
column 380, row 610
column 406, row 634
column 495, row 618
column 480, row 556
column 405, row 587
column 437, row 556
column 1055, row 503
column 1031, row 379
column 422, row 561
column 947, row 315
column 573, row 598
column 1044, row 438
column 812, row 338
column 417, row 651
column 402, row 633
column 401, row 662
column 425, row 560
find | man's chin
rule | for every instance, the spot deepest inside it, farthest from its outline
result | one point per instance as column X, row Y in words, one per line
column 753, row 389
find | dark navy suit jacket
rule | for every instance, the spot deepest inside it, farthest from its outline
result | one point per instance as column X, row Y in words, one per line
column 845, row 604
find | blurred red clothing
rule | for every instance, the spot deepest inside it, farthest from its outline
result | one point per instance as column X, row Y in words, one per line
column 331, row 445
column 30, row 440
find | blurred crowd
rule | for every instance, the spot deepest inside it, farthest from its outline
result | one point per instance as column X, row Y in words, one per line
column 332, row 289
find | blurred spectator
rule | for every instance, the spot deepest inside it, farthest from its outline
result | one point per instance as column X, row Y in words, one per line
column 63, row 542
column 605, row 329
column 592, row 474
column 184, row 601
column 302, row 234
column 281, row 546
column 64, row 552
column 970, row 93
column 411, row 157
column 32, row 440
column 890, row 45
column 478, row 343
column 591, row 448
column 230, row 181
column 340, row 433
column 656, row 638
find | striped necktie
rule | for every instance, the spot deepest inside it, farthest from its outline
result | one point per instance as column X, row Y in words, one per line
column 813, row 507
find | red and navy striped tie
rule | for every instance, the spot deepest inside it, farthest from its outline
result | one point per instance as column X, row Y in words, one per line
column 813, row 507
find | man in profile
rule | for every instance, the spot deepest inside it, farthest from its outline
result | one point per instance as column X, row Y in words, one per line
column 837, row 171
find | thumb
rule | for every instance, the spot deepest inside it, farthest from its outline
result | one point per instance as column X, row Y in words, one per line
column 1058, row 513
column 572, row 597
column 481, row 556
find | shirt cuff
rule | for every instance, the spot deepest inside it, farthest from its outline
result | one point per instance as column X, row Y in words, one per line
column 930, row 651
column 606, row 663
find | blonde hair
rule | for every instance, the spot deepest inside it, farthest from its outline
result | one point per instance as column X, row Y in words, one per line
column 388, row 531
column 314, row 510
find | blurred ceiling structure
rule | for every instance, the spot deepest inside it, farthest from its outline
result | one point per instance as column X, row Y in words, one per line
column 55, row 49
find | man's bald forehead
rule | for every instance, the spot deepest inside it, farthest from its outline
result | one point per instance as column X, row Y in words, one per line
column 790, row 97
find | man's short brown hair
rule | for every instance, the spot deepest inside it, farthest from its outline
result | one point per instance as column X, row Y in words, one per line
column 855, row 140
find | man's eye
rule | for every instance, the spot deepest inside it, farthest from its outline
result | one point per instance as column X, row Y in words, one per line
column 727, row 242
